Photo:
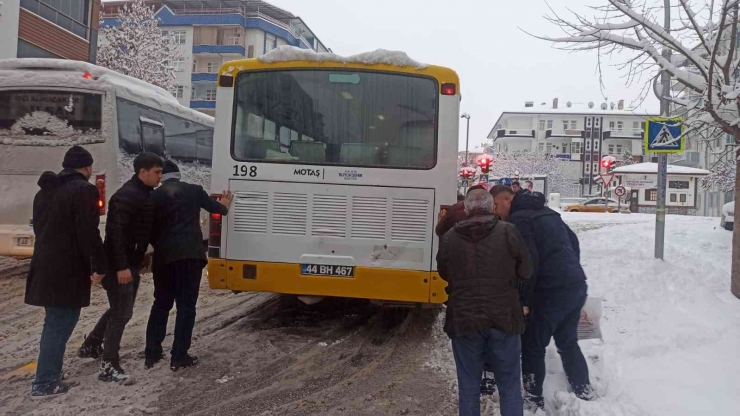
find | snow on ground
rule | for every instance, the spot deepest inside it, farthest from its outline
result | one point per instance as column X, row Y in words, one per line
column 671, row 333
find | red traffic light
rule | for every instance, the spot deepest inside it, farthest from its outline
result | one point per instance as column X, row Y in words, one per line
column 485, row 164
column 608, row 163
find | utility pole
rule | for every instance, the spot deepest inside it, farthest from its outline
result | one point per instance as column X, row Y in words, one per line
column 467, row 137
column 662, row 157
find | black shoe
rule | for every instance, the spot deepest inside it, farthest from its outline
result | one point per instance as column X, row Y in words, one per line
column 183, row 362
column 90, row 351
column 59, row 387
column 585, row 393
column 532, row 403
column 110, row 371
column 150, row 360
column 487, row 384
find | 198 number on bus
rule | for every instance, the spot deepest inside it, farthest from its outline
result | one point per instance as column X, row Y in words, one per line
column 244, row 170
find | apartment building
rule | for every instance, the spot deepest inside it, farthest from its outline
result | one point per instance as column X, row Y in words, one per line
column 66, row 29
column 578, row 134
column 213, row 32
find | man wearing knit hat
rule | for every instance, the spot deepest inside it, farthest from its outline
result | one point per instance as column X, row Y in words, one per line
column 68, row 256
column 179, row 259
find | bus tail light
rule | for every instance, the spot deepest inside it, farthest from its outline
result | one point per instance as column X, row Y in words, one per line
column 214, row 233
column 100, row 184
column 448, row 89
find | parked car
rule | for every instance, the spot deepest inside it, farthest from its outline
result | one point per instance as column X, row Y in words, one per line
column 596, row 205
column 565, row 203
column 727, row 218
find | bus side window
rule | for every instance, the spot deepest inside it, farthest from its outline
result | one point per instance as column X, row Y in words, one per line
column 129, row 129
column 153, row 137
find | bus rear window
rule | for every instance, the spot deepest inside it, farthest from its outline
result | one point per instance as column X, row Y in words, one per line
column 336, row 117
column 30, row 117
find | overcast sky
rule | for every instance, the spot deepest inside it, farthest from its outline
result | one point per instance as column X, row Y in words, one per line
column 500, row 67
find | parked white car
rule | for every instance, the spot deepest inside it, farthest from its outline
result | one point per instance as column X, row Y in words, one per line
column 727, row 219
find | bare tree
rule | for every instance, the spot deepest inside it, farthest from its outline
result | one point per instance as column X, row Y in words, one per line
column 700, row 54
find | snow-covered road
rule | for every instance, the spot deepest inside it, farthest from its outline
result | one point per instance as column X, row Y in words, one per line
column 671, row 343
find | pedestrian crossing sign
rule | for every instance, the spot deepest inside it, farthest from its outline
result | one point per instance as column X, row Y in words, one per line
column 464, row 183
column 664, row 135
column 483, row 179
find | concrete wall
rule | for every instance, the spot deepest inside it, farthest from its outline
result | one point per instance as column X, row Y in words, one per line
column 9, row 15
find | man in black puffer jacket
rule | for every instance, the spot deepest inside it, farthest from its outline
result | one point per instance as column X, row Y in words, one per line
column 127, row 237
column 483, row 260
column 179, row 258
column 555, row 295
column 68, row 252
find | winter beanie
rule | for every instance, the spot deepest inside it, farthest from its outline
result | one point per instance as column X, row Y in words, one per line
column 76, row 158
column 169, row 167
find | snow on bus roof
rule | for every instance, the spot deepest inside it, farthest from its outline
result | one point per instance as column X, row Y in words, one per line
column 380, row 56
column 156, row 96
column 653, row 168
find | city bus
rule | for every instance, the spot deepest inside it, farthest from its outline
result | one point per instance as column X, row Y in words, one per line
column 339, row 168
column 48, row 105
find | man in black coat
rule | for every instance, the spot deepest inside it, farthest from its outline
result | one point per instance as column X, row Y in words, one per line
column 127, row 237
column 555, row 295
column 179, row 258
column 483, row 261
column 68, row 254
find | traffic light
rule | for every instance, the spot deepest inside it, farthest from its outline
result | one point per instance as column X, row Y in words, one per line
column 485, row 163
column 467, row 172
column 608, row 163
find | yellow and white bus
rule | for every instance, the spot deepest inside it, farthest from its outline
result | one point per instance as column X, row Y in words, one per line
column 339, row 168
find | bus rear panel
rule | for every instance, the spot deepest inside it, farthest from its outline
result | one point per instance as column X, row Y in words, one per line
column 338, row 175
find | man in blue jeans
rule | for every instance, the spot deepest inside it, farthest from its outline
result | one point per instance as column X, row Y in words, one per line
column 68, row 256
column 556, row 292
column 483, row 261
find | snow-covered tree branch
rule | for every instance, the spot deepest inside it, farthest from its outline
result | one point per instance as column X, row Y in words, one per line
column 137, row 47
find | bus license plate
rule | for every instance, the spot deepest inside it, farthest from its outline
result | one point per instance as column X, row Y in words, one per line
column 327, row 270
column 24, row 242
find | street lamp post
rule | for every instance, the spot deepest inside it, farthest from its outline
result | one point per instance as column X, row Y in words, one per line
column 467, row 136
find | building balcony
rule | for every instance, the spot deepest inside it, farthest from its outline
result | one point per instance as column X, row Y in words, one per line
column 522, row 134
column 560, row 134
column 630, row 134
column 204, row 77
column 221, row 50
column 203, row 104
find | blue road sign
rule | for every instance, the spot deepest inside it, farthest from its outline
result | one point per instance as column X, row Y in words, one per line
column 664, row 135
column 505, row 181
column 464, row 183
column 483, row 178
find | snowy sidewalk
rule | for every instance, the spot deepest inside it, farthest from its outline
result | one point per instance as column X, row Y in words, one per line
column 671, row 328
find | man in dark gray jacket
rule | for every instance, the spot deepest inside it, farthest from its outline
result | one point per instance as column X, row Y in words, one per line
column 179, row 259
column 483, row 261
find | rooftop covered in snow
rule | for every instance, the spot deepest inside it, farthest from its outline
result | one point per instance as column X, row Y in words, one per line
column 379, row 56
column 652, row 168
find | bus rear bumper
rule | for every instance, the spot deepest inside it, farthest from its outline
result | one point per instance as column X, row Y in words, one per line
column 368, row 282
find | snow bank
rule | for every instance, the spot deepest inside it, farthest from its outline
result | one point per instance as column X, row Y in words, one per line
column 380, row 56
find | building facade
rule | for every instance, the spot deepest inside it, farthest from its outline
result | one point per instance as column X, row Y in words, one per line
column 682, row 187
column 213, row 32
column 65, row 29
column 578, row 136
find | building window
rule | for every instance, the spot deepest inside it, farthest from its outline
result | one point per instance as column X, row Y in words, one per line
column 235, row 38
column 678, row 184
column 682, row 198
column 211, row 95
column 177, row 66
column 574, row 124
column 635, row 125
column 541, row 147
column 611, row 125
column 673, row 198
column 610, row 149
column 178, row 91
column 565, row 124
column 619, row 149
column 542, row 125
column 587, row 157
column 548, row 148
column 565, row 147
column 588, row 134
column 212, row 67
column 620, row 126
column 178, row 36
column 270, row 42
column 549, row 124
column 576, row 147
column 651, row 195
column 29, row 50
column 71, row 15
